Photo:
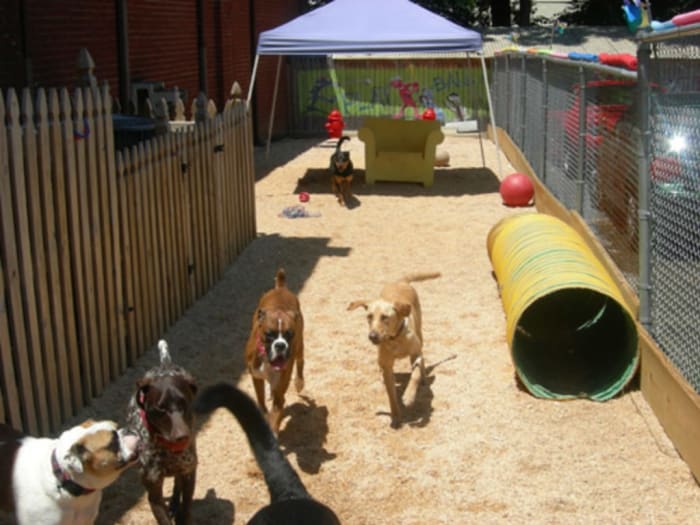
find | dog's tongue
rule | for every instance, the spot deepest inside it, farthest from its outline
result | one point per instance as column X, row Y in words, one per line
column 278, row 363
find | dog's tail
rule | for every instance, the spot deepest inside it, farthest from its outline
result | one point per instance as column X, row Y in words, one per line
column 415, row 277
column 165, row 358
column 340, row 142
column 280, row 278
column 282, row 480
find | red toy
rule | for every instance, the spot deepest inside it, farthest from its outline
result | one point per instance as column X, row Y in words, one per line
column 517, row 190
column 334, row 125
column 428, row 114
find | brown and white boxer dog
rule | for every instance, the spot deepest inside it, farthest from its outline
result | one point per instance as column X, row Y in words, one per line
column 275, row 345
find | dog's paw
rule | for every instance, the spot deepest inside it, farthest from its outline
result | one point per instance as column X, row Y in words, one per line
column 396, row 423
column 299, row 384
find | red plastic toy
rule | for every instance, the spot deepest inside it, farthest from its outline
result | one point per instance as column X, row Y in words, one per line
column 428, row 114
column 335, row 124
column 517, row 190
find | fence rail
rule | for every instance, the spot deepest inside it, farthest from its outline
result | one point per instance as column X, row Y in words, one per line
column 101, row 251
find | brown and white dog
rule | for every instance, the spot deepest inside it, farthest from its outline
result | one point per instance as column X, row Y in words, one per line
column 45, row 481
column 160, row 412
column 275, row 345
column 395, row 328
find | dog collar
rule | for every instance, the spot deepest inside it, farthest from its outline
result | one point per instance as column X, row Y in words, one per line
column 400, row 330
column 65, row 482
column 173, row 446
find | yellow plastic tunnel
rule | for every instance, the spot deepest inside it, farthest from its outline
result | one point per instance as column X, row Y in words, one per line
column 570, row 332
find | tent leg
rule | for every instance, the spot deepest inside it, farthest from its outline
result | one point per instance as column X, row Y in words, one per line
column 274, row 103
column 493, row 118
column 252, row 82
column 481, row 135
column 336, row 87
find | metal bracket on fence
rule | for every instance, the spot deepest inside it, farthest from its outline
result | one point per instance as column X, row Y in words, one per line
column 190, row 269
column 183, row 167
column 219, row 148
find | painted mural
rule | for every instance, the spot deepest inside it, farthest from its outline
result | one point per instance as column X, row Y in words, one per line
column 388, row 88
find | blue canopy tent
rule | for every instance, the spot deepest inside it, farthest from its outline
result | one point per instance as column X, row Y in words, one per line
column 370, row 27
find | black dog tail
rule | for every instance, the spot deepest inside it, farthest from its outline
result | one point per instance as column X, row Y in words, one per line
column 282, row 480
column 340, row 142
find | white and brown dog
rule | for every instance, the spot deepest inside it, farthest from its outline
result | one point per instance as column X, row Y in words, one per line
column 46, row 481
column 275, row 346
column 395, row 329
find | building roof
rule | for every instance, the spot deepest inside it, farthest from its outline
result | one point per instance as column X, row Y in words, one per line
column 581, row 39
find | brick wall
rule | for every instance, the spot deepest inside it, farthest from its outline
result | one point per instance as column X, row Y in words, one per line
column 268, row 15
column 163, row 46
column 11, row 44
column 57, row 30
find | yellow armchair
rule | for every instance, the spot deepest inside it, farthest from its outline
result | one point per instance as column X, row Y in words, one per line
column 400, row 150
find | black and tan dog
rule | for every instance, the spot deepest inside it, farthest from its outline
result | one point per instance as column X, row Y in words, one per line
column 160, row 411
column 342, row 171
column 395, row 328
column 45, row 481
column 275, row 346
column 290, row 502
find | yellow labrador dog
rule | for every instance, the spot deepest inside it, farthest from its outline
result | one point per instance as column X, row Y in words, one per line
column 395, row 329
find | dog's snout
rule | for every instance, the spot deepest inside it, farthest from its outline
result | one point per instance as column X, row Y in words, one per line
column 374, row 336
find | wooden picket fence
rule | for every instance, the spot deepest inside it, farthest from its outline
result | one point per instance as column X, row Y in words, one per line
column 101, row 251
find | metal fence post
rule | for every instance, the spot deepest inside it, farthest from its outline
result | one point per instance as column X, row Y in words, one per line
column 523, row 102
column 643, row 156
column 545, row 111
column 508, row 95
column 582, row 122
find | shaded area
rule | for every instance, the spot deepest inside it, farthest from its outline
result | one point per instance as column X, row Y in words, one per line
column 218, row 356
column 448, row 182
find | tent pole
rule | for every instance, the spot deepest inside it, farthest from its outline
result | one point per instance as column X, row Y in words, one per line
column 274, row 103
column 252, row 82
column 493, row 118
column 336, row 87
column 473, row 106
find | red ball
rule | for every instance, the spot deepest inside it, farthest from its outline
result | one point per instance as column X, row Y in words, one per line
column 428, row 114
column 517, row 190
column 304, row 197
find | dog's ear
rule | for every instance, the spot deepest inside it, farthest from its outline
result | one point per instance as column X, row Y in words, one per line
column 403, row 309
column 357, row 304
column 143, row 386
column 73, row 458
column 193, row 388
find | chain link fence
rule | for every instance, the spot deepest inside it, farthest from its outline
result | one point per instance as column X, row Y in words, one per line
column 621, row 148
